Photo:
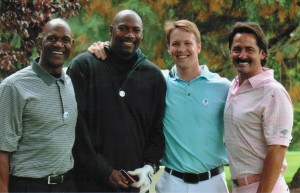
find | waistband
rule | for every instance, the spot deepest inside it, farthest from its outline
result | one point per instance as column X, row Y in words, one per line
column 246, row 180
column 51, row 179
column 193, row 178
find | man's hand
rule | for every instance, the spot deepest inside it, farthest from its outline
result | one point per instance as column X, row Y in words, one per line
column 97, row 48
column 118, row 179
column 145, row 175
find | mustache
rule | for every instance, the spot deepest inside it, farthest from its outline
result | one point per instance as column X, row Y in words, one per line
column 238, row 60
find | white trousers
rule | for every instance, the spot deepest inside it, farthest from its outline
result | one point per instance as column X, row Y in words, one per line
column 171, row 184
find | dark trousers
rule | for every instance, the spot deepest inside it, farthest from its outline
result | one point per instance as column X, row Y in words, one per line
column 92, row 186
column 32, row 185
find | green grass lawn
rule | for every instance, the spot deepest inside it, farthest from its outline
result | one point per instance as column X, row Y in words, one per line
column 293, row 160
column 293, row 165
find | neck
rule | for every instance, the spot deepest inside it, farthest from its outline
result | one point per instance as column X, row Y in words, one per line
column 241, row 80
column 54, row 71
column 56, row 75
column 189, row 73
column 124, row 57
column 245, row 76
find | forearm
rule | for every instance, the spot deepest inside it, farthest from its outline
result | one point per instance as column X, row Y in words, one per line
column 272, row 168
column 4, row 171
column 156, row 145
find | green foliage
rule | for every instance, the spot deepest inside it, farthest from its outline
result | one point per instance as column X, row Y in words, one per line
column 150, row 18
column 94, row 30
column 284, row 59
column 295, row 145
column 214, row 19
column 292, row 158
column 21, row 23
column 97, row 27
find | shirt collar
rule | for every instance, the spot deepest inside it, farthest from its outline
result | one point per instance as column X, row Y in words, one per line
column 256, row 80
column 44, row 75
column 205, row 73
column 266, row 74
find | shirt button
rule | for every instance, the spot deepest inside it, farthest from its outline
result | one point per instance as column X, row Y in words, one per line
column 66, row 114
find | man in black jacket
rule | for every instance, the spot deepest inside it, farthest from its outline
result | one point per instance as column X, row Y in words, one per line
column 121, row 103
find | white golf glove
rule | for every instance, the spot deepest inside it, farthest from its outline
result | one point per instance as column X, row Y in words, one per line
column 145, row 178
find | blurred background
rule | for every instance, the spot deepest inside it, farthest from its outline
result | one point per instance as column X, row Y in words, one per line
column 21, row 22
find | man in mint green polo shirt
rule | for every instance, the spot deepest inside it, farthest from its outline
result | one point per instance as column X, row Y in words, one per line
column 38, row 117
column 193, row 122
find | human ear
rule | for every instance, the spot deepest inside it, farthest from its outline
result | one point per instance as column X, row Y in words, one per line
column 110, row 30
column 40, row 42
column 263, row 55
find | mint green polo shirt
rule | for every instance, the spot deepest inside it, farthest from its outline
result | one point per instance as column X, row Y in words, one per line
column 193, row 122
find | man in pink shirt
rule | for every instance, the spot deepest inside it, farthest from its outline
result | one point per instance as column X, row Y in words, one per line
column 258, row 116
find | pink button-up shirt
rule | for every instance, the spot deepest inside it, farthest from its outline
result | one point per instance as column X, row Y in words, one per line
column 258, row 113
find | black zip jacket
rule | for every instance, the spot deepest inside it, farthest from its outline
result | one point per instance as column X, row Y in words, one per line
column 115, row 132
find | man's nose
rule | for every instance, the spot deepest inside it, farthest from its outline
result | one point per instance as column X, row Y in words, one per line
column 243, row 54
column 59, row 43
column 130, row 34
column 181, row 48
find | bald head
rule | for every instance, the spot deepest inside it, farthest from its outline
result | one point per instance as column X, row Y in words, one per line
column 127, row 12
column 56, row 22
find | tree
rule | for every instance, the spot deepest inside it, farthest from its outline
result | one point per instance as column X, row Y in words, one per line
column 21, row 21
column 279, row 19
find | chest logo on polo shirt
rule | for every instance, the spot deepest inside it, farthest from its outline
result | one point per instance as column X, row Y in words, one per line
column 205, row 101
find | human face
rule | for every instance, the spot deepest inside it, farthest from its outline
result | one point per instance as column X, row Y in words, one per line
column 55, row 46
column 126, row 35
column 246, row 55
column 184, row 48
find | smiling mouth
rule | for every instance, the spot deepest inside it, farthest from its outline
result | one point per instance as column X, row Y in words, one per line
column 128, row 43
column 182, row 57
column 243, row 62
column 57, row 53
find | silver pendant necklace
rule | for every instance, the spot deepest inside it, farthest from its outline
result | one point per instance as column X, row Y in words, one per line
column 122, row 93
